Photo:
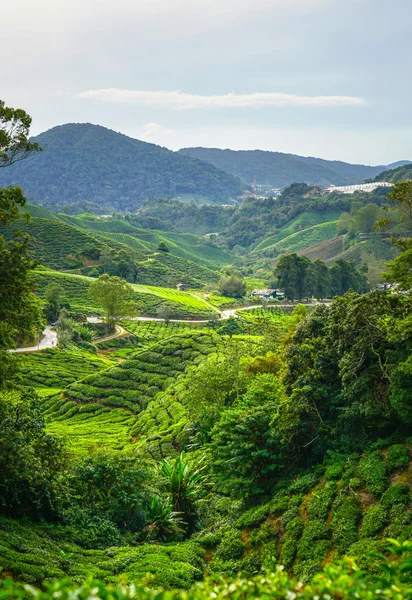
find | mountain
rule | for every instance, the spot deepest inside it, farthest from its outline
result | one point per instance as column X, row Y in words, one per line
column 97, row 168
column 278, row 170
column 402, row 173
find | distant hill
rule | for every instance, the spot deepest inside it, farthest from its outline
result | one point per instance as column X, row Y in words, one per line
column 101, row 170
column 278, row 170
column 402, row 173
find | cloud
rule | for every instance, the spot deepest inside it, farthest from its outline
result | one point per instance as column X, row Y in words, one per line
column 181, row 101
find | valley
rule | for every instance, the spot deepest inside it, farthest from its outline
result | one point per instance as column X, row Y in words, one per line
column 201, row 397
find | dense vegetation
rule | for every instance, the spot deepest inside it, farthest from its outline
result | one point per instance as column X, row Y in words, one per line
column 278, row 170
column 88, row 167
column 226, row 447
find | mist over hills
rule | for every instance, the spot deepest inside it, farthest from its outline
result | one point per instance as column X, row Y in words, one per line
column 278, row 169
column 84, row 163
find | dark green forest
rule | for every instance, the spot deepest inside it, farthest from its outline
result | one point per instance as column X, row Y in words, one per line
column 88, row 167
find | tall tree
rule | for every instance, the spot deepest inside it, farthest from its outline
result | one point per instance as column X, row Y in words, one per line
column 321, row 279
column 112, row 294
column 20, row 311
column 15, row 126
column 292, row 273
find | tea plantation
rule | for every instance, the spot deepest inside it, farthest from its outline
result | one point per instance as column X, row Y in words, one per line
column 182, row 305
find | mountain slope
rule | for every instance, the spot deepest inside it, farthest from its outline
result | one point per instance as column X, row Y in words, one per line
column 88, row 163
column 279, row 170
column 402, row 173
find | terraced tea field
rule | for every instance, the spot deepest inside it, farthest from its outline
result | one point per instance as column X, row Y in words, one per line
column 181, row 304
column 104, row 410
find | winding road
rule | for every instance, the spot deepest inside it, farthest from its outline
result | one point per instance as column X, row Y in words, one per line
column 49, row 339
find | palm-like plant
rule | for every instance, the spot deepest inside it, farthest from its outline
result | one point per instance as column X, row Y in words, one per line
column 163, row 520
column 186, row 483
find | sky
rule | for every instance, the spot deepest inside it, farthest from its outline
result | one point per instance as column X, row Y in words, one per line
column 326, row 78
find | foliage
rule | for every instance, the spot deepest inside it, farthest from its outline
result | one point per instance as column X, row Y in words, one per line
column 300, row 278
column 397, row 456
column 372, row 470
column 20, row 314
column 111, row 293
column 64, row 329
column 14, row 135
column 30, row 458
column 232, row 286
column 186, row 483
column 245, row 450
column 115, row 490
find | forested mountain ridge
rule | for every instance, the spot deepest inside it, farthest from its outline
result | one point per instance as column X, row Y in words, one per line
column 278, row 169
column 97, row 168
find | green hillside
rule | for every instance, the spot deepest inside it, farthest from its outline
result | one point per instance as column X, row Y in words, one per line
column 403, row 173
column 67, row 243
column 86, row 165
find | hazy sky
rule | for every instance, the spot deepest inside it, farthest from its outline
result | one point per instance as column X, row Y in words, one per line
column 327, row 78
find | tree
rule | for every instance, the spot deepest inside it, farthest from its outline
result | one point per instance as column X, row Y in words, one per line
column 64, row 329
column 30, row 458
column 321, row 279
column 14, row 135
column 231, row 326
column 292, row 273
column 400, row 269
column 162, row 247
column 164, row 312
column 54, row 301
column 186, row 483
column 20, row 311
column 114, row 488
column 233, row 287
column 246, row 451
column 112, row 294
column 345, row 276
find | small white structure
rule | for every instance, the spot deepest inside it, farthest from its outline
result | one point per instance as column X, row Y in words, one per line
column 267, row 294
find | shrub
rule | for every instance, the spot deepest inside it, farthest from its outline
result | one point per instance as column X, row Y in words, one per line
column 321, row 500
column 396, row 494
column 254, row 516
column 294, row 530
column 345, row 523
column 231, row 547
column 397, row 457
column 372, row 470
column 373, row 521
column 314, row 543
